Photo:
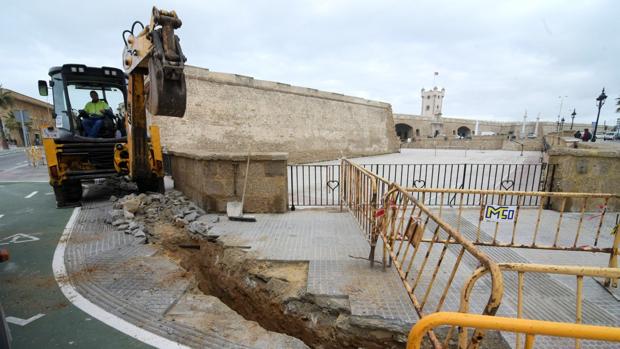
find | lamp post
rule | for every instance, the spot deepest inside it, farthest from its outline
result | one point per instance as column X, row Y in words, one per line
column 562, row 124
column 560, row 112
column 572, row 118
column 601, row 100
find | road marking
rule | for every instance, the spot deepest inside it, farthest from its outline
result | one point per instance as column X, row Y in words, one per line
column 50, row 193
column 60, row 273
column 31, row 195
column 23, row 322
column 1, row 215
column 18, row 239
column 14, row 168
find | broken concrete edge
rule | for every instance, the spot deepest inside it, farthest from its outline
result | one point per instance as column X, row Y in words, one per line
column 241, row 80
column 232, row 156
column 253, row 288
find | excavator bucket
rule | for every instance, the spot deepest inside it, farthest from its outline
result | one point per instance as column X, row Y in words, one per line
column 166, row 92
column 156, row 52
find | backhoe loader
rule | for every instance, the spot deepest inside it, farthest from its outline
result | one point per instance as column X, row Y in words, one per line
column 113, row 139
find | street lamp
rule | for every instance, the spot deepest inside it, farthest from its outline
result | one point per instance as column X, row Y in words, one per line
column 560, row 112
column 601, row 100
column 572, row 118
column 562, row 124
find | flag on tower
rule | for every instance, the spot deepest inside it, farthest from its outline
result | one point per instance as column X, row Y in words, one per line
column 436, row 73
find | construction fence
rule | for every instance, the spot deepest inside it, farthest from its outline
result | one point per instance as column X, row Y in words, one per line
column 438, row 253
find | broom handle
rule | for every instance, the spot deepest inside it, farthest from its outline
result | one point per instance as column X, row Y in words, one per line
column 245, row 181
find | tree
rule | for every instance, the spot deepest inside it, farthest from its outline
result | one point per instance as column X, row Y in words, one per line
column 6, row 102
column 618, row 104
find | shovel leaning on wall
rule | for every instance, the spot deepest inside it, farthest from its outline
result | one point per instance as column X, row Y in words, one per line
column 234, row 209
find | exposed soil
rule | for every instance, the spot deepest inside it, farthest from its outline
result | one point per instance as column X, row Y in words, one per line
column 271, row 293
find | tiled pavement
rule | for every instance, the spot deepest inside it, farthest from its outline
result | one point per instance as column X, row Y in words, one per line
column 330, row 240
column 333, row 245
column 122, row 275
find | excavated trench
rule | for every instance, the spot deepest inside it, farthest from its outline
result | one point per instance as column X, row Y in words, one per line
column 272, row 293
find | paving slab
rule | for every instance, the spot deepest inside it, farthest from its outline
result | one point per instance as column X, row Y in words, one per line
column 333, row 245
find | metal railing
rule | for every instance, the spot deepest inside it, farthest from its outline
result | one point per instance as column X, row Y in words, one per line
column 441, row 264
column 316, row 185
column 313, row 185
column 519, row 177
column 530, row 328
column 583, row 232
column 432, row 256
column 579, row 272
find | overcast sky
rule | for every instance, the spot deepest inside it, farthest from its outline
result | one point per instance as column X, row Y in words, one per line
column 495, row 58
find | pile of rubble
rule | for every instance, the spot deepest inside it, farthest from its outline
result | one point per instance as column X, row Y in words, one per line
column 133, row 214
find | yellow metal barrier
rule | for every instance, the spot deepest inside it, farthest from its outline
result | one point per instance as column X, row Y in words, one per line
column 361, row 192
column 574, row 240
column 530, row 328
column 521, row 268
column 400, row 221
column 35, row 156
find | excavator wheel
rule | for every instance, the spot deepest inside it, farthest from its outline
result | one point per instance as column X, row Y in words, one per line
column 68, row 194
column 153, row 184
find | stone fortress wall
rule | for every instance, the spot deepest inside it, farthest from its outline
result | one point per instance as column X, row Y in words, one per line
column 422, row 126
column 234, row 113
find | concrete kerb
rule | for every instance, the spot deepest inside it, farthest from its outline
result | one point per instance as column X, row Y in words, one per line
column 64, row 282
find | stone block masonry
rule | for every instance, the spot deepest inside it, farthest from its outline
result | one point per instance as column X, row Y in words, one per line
column 230, row 113
column 589, row 171
column 213, row 179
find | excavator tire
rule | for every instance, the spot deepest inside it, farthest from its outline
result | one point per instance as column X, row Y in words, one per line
column 68, row 194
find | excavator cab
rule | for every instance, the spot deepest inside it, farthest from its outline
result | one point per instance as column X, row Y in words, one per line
column 71, row 87
column 153, row 79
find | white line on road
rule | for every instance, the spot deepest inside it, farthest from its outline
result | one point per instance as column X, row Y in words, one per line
column 23, row 322
column 50, row 193
column 31, row 195
column 15, row 167
column 1, row 215
column 60, row 273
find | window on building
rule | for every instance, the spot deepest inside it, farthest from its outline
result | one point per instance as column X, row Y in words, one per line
column 428, row 107
column 453, row 132
column 417, row 132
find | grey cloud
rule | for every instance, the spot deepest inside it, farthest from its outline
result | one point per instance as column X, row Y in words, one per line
column 495, row 58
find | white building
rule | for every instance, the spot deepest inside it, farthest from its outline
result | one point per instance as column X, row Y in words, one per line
column 432, row 101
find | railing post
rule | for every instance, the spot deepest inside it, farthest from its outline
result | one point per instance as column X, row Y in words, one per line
column 342, row 182
column 613, row 257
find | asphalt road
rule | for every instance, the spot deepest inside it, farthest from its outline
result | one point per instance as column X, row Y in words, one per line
column 14, row 166
column 30, row 227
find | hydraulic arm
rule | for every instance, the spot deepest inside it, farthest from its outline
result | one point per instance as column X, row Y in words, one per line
column 154, row 52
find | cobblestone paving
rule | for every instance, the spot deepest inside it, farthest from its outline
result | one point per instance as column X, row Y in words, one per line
column 122, row 275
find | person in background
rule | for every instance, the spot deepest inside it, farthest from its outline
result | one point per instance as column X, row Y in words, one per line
column 577, row 134
column 586, row 135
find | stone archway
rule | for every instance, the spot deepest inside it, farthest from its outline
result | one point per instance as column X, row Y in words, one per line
column 464, row 132
column 404, row 132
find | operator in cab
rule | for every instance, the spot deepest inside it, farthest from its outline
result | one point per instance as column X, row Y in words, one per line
column 95, row 109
